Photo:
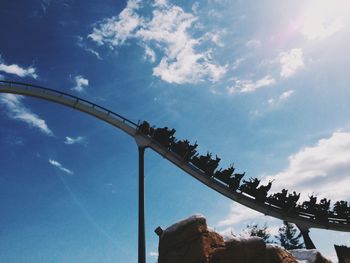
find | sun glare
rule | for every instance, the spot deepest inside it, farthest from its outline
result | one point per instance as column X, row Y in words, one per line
column 323, row 18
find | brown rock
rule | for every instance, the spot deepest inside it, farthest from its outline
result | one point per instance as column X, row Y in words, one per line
column 240, row 250
column 309, row 255
column 188, row 241
column 321, row 259
column 276, row 254
column 191, row 241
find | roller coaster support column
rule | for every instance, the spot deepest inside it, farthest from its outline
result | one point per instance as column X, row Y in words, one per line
column 142, row 241
column 304, row 230
column 142, row 144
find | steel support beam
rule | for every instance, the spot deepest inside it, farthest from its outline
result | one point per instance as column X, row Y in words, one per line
column 142, row 239
column 307, row 239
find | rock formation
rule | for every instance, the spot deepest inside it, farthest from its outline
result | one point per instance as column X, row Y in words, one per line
column 192, row 241
column 311, row 255
column 188, row 241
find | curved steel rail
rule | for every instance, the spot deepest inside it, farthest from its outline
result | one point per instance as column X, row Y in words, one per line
column 131, row 128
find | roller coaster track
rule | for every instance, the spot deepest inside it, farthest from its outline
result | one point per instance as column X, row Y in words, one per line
column 304, row 219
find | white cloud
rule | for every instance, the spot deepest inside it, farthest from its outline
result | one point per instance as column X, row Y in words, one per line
column 82, row 44
column 238, row 214
column 215, row 37
column 285, row 95
column 246, row 86
column 150, row 54
column 272, row 230
column 215, row 14
column 59, row 166
column 93, row 52
column 160, row 2
column 15, row 69
column 237, row 63
column 167, row 31
column 314, row 30
column 77, row 140
column 80, row 83
column 322, row 18
column 253, row 43
column 90, row 50
column 195, row 7
column 16, row 110
column 236, row 221
column 116, row 30
column 271, row 104
column 291, row 61
column 323, row 169
column 153, row 254
column 180, row 63
column 282, row 98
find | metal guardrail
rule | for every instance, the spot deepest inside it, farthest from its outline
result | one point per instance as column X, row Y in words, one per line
column 61, row 93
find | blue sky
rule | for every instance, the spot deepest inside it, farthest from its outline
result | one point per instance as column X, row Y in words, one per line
column 263, row 85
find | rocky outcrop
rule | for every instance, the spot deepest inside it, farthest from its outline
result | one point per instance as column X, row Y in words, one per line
column 191, row 241
column 241, row 250
column 188, row 241
column 277, row 254
column 310, row 255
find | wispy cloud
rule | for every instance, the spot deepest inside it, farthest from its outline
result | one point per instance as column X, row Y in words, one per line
column 150, row 54
column 238, row 214
column 323, row 168
column 116, row 30
column 59, row 166
column 214, row 14
column 291, row 61
column 273, row 102
column 83, row 45
column 239, row 217
column 16, row 110
column 253, row 43
column 215, row 37
column 168, row 31
column 15, row 69
column 246, row 86
column 80, row 83
column 237, row 63
column 153, row 254
column 45, row 5
column 13, row 140
column 77, row 140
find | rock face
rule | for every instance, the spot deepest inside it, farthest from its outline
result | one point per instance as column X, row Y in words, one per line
column 191, row 241
column 309, row 255
column 276, row 254
column 240, row 250
column 188, row 241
